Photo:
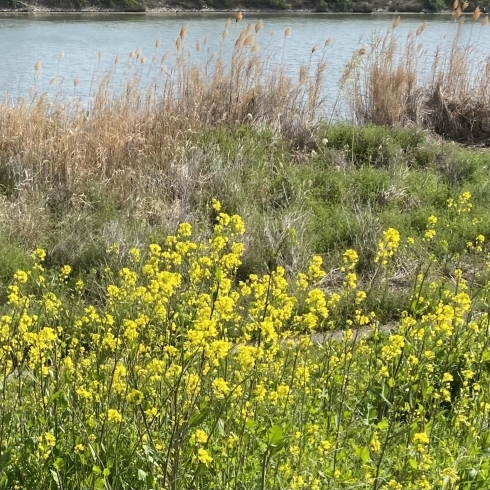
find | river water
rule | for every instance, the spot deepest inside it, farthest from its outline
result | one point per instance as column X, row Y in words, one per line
column 74, row 50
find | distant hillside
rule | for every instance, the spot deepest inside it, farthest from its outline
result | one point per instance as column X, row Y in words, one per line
column 357, row 6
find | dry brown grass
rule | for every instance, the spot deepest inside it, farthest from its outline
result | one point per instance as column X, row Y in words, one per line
column 120, row 140
column 392, row 84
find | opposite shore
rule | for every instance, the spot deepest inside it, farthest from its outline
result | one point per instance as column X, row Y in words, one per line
column 222, row 6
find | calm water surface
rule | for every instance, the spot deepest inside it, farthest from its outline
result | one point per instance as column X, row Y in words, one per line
column 89, row 43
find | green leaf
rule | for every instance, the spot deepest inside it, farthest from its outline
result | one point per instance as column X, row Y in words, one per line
column 413, row 464
column 54, row 396
column 106, row 472
column 92, row 451
column 5, row 458
column 221, row 427
column 222, row 364
column 142, row 475
column 218, row 274
column 364, row 454
column 4, row 480
column 148, row 453
column 99, row 484
column 383, row 424
column 198, row 417
column 96, row 469
column 379, row 394
column 56, row 477
column 274, row 435
column 58, row 464
column 7, row 418
column 275, row 449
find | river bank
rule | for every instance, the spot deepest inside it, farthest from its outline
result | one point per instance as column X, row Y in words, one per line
column 208, row 284
column 220, row 6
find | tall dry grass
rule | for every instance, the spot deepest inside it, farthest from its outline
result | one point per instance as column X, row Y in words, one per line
column 384, row 81
column 394, row 81
column 117, row 139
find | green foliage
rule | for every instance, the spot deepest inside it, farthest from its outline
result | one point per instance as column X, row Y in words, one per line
column 372, row 145
column 339, row 5
column 435, row 4
column 12, row 258
column 321, row 6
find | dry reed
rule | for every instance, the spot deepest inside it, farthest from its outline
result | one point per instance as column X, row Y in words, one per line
column 391, row 85
column 117, row 139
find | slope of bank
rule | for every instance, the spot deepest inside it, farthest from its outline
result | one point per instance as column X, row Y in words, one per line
column 355, row 6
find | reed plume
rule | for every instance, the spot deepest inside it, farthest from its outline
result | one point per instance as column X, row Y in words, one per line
column 476, row 13
column 249, row 41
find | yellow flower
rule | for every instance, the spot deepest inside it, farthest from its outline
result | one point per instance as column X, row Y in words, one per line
column 297, row 482
column 360, row 297
column 50, row 439
column 65, row 272
column 429, row 234
column 259, row 392
column 393, row 348
column 151, row 412
column 375, row 443
column 216, row 205
column 394, row 485
column 184, row 230
column 220, row 388
column 432, row 220
column 46, row 444
column 21, row 276
column 113, row 415
column 39, row 255
column 315, row 271
column 204, row 457
column 315, row 484
column 135, row 255
column 387, row 246
column 302, row 281
column 135, row 396
column 200, row 436
column 449, row 475
column 317, row 302
column 324, row 446
column 421, row 438
column 384, row 371
column 283, row 391
column 350, row 258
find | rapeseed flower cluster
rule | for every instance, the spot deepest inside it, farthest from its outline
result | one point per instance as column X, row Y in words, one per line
column 387, row 246
column 183, row 377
